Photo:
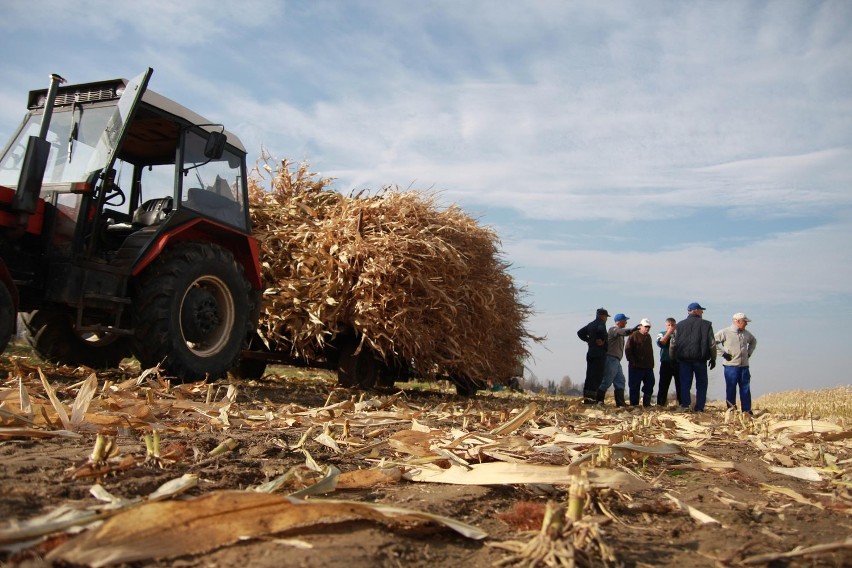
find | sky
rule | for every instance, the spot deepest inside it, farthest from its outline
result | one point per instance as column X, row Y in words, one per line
column 632, row 155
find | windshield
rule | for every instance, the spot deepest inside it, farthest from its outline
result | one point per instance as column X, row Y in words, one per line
column 73, row 138
column 82, row 139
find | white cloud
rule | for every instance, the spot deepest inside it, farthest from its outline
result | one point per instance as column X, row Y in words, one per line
column 811, row 265
column 159, row 22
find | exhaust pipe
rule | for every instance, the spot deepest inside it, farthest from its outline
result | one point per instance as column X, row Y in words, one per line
column 35, row 159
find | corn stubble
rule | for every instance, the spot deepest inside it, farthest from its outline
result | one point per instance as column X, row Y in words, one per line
column 416, row 282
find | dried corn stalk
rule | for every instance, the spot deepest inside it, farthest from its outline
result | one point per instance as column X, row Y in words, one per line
column 415, row 282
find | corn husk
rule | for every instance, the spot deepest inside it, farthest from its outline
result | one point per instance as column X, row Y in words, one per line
column 414, row 281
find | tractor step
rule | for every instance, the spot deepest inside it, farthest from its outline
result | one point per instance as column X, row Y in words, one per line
column 107, row 298
column 102, row 329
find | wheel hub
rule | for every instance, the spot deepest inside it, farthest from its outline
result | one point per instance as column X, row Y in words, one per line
column 200, row 315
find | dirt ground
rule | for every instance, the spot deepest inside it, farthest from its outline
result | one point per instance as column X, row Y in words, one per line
column 740, row 508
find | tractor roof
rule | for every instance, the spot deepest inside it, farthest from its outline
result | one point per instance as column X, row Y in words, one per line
column 112, row 89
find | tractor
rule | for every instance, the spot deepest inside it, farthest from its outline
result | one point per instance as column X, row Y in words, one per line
column 124, row 231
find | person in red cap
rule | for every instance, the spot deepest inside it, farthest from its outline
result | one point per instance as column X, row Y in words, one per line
column 693, row 346
column 737, row 345
column 639, row 351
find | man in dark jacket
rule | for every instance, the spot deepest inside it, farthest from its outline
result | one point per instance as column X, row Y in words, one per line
column 595, row 335
column 668, row 367
column 694, row 348
column 640, row 364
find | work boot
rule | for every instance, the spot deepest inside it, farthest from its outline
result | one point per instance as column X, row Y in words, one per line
column 590, row 397
column 601, row 397
column 619, row 397
column 646, row 400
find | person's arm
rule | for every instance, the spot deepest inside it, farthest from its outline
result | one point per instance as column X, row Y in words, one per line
column 583, row 333
column 719, row 339
column 752, row 344
column 713, row 352
column 628, row 349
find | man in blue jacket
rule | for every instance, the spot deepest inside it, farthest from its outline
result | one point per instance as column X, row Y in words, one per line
column 594, row 333
column 693, row 346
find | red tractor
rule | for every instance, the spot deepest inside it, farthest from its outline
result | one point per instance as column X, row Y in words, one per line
column 124, row 231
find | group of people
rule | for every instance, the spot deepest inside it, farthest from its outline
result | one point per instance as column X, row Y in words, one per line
column 688, row 348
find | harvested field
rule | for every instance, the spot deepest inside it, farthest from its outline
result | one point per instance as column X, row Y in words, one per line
column 475, row 477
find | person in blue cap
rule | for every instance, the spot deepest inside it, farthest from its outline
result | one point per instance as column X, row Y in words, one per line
column 693, row 346
column 613, row 374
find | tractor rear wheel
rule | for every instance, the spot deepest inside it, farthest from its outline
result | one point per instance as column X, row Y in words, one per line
column 50, row 332
column 193, row 310
column 7, row 316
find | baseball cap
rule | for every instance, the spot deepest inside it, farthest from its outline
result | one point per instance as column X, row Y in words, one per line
column 695, row 306
column 645, row 322
column 602, row 312
column 621, row 317
column 740, row 316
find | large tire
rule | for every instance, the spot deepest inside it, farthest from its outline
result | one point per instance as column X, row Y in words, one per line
column 193, row 310
column 465, row 386
column 8, row 313
column 50, row 332
column 359, row 371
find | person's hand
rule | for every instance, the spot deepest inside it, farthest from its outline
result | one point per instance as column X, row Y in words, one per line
column 727, row 356
column 712, row 364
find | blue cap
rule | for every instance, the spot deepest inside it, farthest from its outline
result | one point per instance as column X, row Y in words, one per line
column 621, row 317
column 694, row 306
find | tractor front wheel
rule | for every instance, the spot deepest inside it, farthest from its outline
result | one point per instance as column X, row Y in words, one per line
column 50, row 332
column 193, row 310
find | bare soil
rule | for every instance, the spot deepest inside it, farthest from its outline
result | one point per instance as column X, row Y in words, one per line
column 644, row 528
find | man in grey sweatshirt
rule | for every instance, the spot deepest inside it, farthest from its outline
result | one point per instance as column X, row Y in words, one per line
column 613, row 374
column 737, row 345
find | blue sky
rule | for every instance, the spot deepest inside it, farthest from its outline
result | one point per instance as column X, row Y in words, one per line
column 632, row 155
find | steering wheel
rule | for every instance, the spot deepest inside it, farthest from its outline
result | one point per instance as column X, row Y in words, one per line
column 113, row 192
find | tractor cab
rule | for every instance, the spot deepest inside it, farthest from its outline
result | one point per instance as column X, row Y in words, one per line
column 98, row 182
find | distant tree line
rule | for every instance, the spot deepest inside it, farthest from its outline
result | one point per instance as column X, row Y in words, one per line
column 565, row 386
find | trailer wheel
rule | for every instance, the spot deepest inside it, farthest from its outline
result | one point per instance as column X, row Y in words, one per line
column 192, row 312
column 359, row 371
column 465, row 386
column 7, row 316
column 250, row 367
column 50, row 332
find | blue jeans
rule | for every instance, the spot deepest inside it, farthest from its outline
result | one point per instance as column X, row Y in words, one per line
column 738, row 377
column 640, row 378
column 613, row 375
column 686, row 370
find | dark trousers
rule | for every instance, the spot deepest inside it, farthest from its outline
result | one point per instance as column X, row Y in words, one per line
column 594, row 376
column 640, row 378
column 668, row 371
column 687, row 369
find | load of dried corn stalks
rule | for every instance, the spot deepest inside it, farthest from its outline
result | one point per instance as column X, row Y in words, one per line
column 415, row 282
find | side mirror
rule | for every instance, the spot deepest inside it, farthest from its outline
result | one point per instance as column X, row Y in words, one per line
column 215, row 146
